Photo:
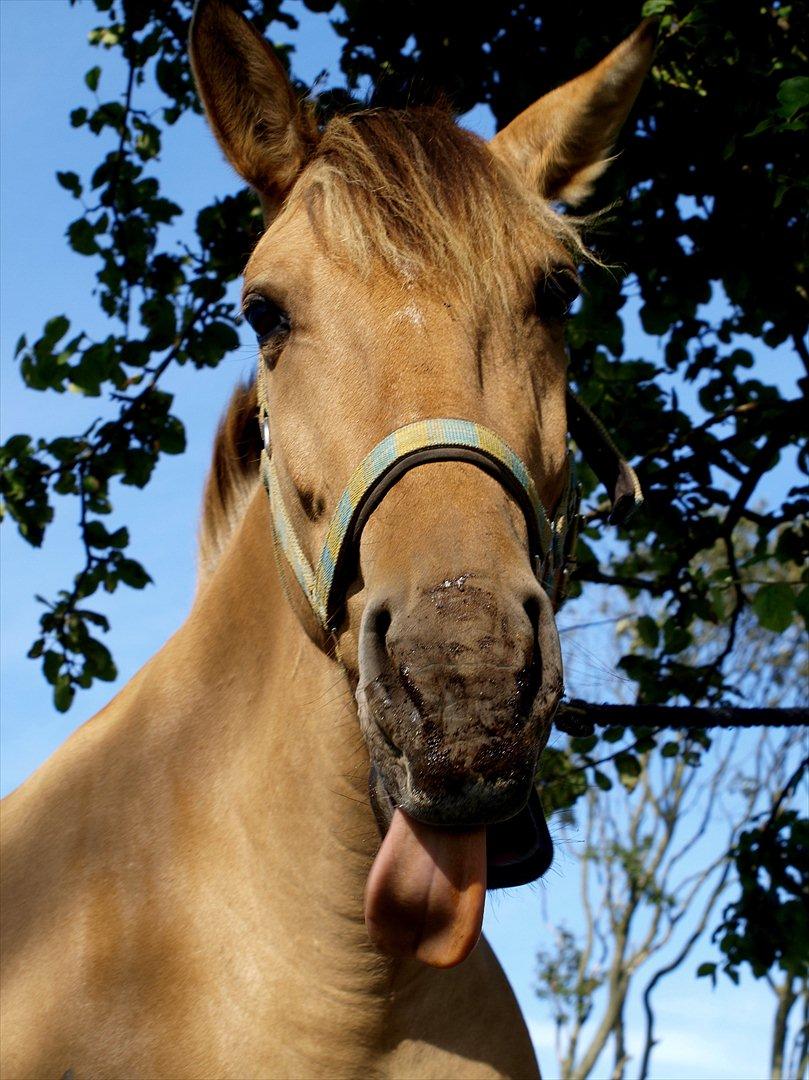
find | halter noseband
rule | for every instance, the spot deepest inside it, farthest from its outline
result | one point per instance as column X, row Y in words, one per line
column 551, row 538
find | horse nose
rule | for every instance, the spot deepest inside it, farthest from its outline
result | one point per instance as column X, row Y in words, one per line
column 459, row 620
column 458, row 684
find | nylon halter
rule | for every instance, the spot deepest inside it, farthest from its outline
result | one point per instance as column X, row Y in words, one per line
column 551, row 538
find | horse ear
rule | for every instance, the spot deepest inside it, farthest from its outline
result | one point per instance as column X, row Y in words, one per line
column 266, row 132
column 560, row 145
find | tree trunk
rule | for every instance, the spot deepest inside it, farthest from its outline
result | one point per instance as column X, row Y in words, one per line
column 620, row 1047
column 786, row 999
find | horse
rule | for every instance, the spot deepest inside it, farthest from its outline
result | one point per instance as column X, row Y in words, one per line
column 268, row 855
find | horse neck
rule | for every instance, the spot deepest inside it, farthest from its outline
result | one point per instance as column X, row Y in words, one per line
column 281, row 749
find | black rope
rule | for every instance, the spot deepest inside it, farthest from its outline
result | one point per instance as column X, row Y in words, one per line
column 581, row 718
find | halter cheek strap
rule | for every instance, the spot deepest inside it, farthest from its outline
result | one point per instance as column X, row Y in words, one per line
column 551, row 539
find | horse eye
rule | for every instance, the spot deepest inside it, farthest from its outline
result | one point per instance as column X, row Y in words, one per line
column 265, row 317
column 556, row 294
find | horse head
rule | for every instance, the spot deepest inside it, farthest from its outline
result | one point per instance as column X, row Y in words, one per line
column 411, row 276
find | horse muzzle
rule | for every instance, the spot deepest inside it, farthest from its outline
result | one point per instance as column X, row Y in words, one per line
column 456, row 696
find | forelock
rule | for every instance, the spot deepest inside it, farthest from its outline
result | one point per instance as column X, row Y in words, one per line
column 413, row 192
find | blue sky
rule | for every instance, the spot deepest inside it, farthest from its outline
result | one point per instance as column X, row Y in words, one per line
column 44, row 56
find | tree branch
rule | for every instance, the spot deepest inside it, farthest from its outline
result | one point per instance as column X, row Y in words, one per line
column 579, row 718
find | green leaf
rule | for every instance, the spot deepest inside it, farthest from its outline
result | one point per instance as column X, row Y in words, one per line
column 17, row 445
column 147, row 144
column 655, row 7
column 676, row 638
column 628, row 769
column 774, row 605
column 172, row 437
column 602, row 780
column 91, row 78
column 158, row 315
column 583, row 744
column 802, row 604
column 706, row 969
column 51, row 665
column 132, row 573
column 120, row 538
column 99, row 661
column 70, row 182
column 648, row 631
column 95, row 618
column 613, row 734
column 96, row 535
column 81, row 237
column 63, row 694
column 215, row 340
column 55, row 329
column 656, row 320
column 793, row 94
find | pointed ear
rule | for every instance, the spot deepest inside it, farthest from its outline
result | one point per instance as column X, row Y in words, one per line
column 560, row 145
column 267, row 134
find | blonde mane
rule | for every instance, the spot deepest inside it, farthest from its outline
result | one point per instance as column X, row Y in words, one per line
column 428, row 200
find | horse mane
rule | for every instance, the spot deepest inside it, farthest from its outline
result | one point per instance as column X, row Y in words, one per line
column 232, row 477
column 427, row 199
column 412, row 190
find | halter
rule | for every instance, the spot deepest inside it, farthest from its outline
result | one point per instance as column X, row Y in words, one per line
column 551, row 537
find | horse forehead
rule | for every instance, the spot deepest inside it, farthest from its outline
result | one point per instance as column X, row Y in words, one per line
column 411, row 314
column 377, row 305
column 290, row 264
column 287, row 250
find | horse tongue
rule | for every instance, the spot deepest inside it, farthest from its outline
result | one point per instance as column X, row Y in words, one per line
column 425, row 893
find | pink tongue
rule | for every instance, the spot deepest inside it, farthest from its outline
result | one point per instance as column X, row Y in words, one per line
column 425, row 893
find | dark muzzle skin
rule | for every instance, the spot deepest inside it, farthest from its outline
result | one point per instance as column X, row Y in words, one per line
column 456, row 694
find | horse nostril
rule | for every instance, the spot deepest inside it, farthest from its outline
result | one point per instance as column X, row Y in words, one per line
column 532, row 674
column 531, row 609
column 373, row 651
column 380, row 625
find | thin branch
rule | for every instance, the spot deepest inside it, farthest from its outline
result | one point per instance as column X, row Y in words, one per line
column 598, row 577
column 801, row 350
column 650, row 1042
column 685, row 439
column 576, row 716
column 760, row 464
column 739, row 602
column 787, row 789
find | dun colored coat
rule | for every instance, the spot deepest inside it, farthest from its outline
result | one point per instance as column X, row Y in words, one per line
column 194, row 884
